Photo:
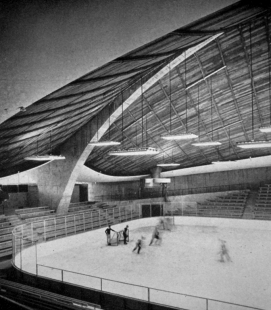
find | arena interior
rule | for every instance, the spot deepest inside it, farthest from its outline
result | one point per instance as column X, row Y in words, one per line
column 175, row 135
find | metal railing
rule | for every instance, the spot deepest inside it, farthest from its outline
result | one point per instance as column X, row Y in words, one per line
column 29, row 236
column 211, row 189
column 140, row 292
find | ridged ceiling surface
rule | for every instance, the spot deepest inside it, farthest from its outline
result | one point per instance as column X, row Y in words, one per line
column 221, row 92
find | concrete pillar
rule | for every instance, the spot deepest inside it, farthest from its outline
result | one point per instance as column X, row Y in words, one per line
column 56, row 180
column 155, row 172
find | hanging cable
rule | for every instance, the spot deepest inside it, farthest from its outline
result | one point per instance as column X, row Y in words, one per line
column 185, row 92
column 229, row 142
column 198, row 113
column 136, row 133
column 146, row 121
column 169, row 82
column 251, row 64
column 109, row 122
column 142, row 112
column 50, row 142
column 97, row 126
column 269, row 73
column 122, row 116
column 212, row 108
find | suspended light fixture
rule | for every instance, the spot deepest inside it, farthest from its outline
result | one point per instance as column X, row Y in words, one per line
column 104, row 143
column 98, row 142
column 254, row 144
column 180, row 136
column 136, row 151
column 168, row 164
column 207, row 143
column 265, row 129
column 46, row 157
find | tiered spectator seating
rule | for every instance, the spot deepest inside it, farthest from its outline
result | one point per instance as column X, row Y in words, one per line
column 7, row 223
column 231, row 205
column 82, row 206
column 5, row 237
column 83, row 217
column 186, row 211
column 262, row 208
column 28, row 213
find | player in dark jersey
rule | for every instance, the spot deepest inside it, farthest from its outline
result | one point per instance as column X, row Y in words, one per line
column 138, row 246
column 224, row 252
column 125, row 234
column 108, row 234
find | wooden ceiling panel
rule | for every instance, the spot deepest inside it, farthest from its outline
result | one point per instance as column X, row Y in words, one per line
column 217, row 76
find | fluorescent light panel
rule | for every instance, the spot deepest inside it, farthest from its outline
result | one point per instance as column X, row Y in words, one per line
column 254, row 144
column 135, row 152
column 168, row 165
column 103, row 143
column 181, row 136
column 162, row 180
column 265, row 129
column 44, row 157
column 209, row 143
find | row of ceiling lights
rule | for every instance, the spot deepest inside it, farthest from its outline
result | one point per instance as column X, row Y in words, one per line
column 182, row 136
column 154, row 151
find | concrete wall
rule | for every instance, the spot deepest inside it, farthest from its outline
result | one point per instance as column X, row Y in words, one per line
column 33, row 196
column 18, row 200
column 124, row 189
column 253, row 176
column 75, row 194
column 27, row 199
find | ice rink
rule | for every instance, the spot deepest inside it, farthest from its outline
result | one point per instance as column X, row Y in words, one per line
column 187, row 262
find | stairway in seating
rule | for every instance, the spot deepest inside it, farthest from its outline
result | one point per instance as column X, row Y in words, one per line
column 250, row 204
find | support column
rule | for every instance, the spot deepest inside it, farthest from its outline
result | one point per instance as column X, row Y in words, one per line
column 56, row 179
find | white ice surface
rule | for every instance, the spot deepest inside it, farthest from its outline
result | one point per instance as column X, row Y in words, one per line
column 187, row 262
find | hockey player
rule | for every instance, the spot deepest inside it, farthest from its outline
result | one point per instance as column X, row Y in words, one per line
column 155, row 235
column 125, row 234
column 138, row 246
column 108, row 234
column 162, row 222
column 224, row 252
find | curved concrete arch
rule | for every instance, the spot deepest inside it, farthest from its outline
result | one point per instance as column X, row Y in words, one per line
column 56, row 180
column 150, row 82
